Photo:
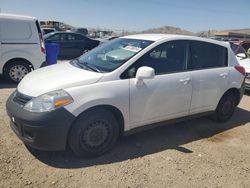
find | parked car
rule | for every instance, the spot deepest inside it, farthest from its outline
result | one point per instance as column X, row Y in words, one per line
column 21, row 46
column 121, row 86
column 83, row 31
column 48, row 30
column 72, row 45
column 244, row 61
column 244, row 43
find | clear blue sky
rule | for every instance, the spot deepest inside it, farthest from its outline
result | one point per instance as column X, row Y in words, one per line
column 193, row 15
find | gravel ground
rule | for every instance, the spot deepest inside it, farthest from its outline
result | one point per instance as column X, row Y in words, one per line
column 195, row 153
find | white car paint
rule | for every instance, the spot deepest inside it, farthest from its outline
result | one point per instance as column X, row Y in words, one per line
column 69, row 76
column 245, row 63
column 156, row 99
column 163, row 97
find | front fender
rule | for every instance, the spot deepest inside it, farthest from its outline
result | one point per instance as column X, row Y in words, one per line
column 112, row 93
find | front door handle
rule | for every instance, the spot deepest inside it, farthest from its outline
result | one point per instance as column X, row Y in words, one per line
column 185, row 80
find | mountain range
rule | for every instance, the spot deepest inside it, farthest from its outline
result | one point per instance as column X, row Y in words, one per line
column 179, row 31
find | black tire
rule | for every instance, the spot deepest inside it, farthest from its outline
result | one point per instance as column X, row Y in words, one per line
column 19, row 67
column 94, row 133
column 225, row 108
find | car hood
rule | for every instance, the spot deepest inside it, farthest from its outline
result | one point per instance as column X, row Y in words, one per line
column 55, row 77
column 245, row 63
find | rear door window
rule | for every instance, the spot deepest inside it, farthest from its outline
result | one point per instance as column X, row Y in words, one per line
column 75, row 37
column 71, row 37
column 204, row 55
column 58, row 37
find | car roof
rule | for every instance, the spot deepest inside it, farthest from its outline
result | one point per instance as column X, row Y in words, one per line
column 163, row 37
column 16, row 17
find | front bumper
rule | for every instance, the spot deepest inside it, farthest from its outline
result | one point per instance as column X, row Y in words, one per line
column 44, row 131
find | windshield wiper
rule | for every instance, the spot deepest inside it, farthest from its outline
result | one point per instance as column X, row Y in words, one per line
column 77, row 63
column 91, row 67
column 85, row 65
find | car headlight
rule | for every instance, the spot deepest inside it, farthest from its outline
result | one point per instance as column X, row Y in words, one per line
column 49, row 101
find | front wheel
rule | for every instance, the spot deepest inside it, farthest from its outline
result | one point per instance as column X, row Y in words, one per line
column 225, row 108
column 94, row 133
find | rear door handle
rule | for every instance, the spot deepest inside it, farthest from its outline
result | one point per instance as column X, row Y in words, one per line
column 223, row 75
column 185, row 80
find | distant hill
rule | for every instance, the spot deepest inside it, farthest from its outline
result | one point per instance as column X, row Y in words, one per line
column 246, row 31
column 179, row 31
column 212, row 32
column 169, row 30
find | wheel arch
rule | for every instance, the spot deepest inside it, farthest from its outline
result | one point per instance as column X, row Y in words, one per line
column 115, row 111
column 235, row 92
column 17, row 59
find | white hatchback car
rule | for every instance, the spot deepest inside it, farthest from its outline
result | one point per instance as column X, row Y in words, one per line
column 123, row 85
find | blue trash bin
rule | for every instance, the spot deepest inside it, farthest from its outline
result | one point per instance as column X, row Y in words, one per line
column 52, row 51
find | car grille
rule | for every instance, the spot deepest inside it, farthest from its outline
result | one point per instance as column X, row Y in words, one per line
column 21, row 99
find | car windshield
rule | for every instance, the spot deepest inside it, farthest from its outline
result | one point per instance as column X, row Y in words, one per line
column 109, row 56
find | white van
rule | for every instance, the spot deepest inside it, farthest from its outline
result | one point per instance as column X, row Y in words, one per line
column 21, row 46
column 121, row 86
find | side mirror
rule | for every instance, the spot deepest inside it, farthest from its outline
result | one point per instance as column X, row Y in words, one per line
column 241, row 55
column 144, row 73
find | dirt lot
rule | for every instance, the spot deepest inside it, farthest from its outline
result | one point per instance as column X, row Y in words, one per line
column 195, row 153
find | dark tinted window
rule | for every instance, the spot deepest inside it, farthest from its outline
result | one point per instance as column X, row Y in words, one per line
column 75, row 37
column 206, row 55
column 165, row 58
column 80, row 37
column 57, row 37
column 38, row 27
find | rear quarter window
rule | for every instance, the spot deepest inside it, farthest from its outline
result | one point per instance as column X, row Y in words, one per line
column 15, row 30
column 204, row 55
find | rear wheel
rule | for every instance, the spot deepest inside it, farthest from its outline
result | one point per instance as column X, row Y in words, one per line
column 225, row 108
column 94, row 133
column 16, row 70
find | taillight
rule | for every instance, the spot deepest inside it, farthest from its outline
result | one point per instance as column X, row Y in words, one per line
column 42, row 43
column 241, row 70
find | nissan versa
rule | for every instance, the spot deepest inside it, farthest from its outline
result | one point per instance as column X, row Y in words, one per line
column 124, row 84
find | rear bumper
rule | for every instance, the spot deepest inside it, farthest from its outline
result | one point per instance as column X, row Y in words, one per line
column 44, row 131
